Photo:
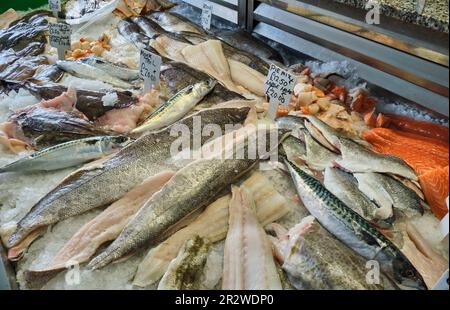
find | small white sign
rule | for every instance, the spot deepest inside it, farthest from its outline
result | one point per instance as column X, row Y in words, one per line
column 54, row 5
column 60, row 34
column 150, row 67
column 207, row 15
column 278, row 87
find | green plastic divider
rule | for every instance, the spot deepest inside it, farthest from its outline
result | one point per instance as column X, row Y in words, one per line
column 21, row 5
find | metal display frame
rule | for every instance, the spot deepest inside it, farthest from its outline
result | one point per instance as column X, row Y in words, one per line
column 412, row 62
column 405, row 59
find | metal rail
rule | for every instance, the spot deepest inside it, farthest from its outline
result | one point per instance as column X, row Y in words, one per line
column 415, row 78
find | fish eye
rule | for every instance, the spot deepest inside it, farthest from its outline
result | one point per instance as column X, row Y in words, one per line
column 121, row 139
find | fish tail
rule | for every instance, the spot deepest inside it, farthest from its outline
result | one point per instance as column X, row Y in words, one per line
column 17, row 236
column 112, row 253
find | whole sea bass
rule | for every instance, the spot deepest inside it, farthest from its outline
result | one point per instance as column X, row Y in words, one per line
column 96, row 187
column 119, row 71
column 176, row 107
column 191, row 188
column 68, row 154
column 353, row 230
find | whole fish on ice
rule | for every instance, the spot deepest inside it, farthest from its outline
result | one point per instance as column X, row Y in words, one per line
column 85, row 189
column 192, row 188
column 353, row 230
column 68, row 154
column 87, row 71
column 314, row 260
column 176, row 107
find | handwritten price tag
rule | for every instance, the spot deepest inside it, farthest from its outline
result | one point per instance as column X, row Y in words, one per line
column 278, row 87
column 54, row 5
column 60, row 34
column 150, row 67
column 207, row 15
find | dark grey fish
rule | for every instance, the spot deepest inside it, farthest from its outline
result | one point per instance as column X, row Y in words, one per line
column 174, row 22
column 47, row 73
column 149, row 27
column 231, row 52
column 132, row 33
column 85, row 190
column 88, row 102
column 34, row 16
column 243, row 40
column 47, row 127
column 8, row 57
column 23, row 68
column 176, row 76
column 22, row 34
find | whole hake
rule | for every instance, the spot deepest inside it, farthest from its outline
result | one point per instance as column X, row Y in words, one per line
column 191, row 188
column 353, row 230
column 96, row 187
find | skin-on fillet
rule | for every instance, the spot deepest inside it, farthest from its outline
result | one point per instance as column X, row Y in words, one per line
column 212, row 224
column 104, row 227
column 209, row 58
column 169, row 48
column 247, row 77
column 248, row 260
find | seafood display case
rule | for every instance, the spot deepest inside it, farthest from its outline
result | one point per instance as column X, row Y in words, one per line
column 395, row 58
column 408, row 59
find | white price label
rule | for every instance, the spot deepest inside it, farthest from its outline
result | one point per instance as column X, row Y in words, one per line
column 207, row 15
column 54, row 5
column 150, row 67
column 60, row 34
column 278, row 86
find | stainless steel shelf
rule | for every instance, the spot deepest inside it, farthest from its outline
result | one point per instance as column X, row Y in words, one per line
column 229, row 10
column 409, row 38
column 386, row 81
column 414, row 78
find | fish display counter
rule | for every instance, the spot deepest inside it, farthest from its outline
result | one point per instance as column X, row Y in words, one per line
column 198, row 145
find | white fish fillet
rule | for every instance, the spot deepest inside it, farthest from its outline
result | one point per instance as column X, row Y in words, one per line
column 212, row 224
column 430, row 264
column 248, row 261
column 209, row 58
column 108, row 225
column 169, row 48
column 250, row 79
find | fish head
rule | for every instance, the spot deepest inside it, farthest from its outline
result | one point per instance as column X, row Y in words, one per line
column 65, row 66
column 112, row 144
column 119, row 142
column 406, row 275
column 202, row 88
column 290, row 122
